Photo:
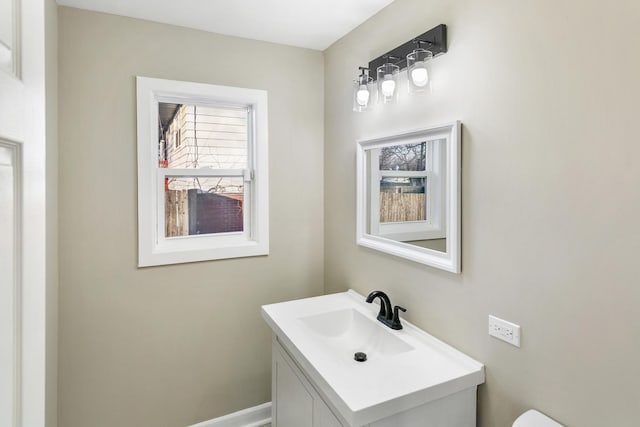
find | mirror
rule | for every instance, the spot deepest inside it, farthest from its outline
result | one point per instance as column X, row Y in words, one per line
column 8, row 35
column 408, row 190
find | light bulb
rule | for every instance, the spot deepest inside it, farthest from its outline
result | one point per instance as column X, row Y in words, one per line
column 362, row 96
column 388, row 86
column 419, row 76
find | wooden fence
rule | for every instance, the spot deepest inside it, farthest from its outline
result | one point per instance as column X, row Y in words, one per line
column 189, row 212
column 402, row 207
column 176, row 213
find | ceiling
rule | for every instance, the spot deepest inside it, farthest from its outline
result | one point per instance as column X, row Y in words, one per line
column 313, row 24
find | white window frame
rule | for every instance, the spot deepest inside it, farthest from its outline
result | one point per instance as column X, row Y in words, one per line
column 153, row 247
column 434, row 227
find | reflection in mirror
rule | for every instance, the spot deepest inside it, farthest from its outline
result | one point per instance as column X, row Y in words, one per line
column 408, row 195
column 407, row 189
column 7, row 35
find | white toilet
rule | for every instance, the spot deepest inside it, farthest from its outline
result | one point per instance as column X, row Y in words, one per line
column 533, row 418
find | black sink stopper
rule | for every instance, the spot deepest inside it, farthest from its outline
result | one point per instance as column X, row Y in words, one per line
column 360, row 356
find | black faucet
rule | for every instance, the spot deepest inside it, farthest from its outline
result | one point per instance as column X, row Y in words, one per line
column 387, row 316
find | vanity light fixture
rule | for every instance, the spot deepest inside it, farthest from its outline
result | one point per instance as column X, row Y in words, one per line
column 414, row 55
column 362, row 90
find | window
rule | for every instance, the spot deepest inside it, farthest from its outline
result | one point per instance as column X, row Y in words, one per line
column 407, row 190
column 202, row 172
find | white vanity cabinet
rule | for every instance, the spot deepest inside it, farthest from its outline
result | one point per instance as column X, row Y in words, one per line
column 409, row 379
column 295, row 402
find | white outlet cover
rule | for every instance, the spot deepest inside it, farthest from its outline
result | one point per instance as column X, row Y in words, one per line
column 504, row 330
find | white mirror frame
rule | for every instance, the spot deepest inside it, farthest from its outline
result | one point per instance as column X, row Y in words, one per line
column 449, row 260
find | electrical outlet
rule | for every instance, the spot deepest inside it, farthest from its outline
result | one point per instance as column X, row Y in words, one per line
column 505, row 331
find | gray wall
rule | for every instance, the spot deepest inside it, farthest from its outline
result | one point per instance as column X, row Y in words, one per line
column 170, row 346
column 547, row 92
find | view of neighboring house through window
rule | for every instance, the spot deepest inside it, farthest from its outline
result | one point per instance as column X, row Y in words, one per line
column 203, row 152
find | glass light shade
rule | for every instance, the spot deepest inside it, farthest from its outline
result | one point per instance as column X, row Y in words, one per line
column 419, row 70
column 362, row 88
column 388, row 83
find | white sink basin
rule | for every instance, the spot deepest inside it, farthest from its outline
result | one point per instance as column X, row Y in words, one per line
column 347, row 331
column 404, row 369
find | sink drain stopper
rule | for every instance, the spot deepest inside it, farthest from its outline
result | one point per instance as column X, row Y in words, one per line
column 360, row 356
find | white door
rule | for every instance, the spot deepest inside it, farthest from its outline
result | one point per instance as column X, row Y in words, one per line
column 22, row 213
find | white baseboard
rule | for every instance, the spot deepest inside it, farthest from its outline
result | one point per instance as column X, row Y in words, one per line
column 257, row 416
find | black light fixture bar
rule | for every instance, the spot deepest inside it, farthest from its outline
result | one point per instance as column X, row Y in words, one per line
column 434, row 40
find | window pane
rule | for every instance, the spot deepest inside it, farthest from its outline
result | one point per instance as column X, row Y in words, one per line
column 405, row 157
column 203, row 205
column 197, row 136
column 402, row 199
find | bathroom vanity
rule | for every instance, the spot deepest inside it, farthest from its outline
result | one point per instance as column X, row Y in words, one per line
column 409, row 378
